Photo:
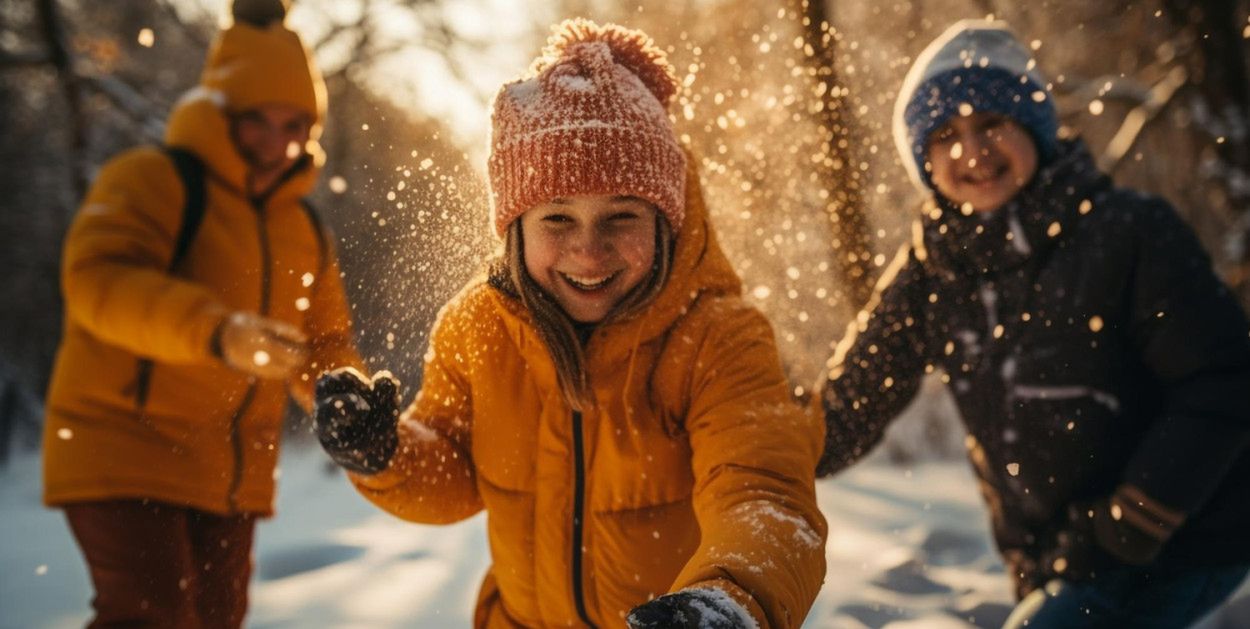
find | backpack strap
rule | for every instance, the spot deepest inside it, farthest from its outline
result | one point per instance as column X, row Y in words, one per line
column 191, row 172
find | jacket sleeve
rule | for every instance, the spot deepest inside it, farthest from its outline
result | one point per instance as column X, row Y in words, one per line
column 876, row 368
column 431, row 478
column 1191, row 333
column 114, row 269
column 754, row 453
column 329, row 329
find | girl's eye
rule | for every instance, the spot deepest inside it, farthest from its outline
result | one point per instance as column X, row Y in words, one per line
column 557, row 219
column 621, row 217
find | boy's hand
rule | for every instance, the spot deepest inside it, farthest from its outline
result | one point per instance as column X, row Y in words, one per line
column 356, row 418
column 260, row 346
column 1120, row 530
column 691, row 609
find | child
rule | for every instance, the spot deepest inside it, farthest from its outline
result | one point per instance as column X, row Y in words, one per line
column 1100, row 367
column 603, row 393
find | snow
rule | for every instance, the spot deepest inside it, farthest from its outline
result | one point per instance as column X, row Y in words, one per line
column 908, row 547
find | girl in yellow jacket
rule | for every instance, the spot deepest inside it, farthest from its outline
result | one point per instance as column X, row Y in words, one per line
column 603, row 392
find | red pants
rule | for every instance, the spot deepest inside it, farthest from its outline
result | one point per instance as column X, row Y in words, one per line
column 158, row 565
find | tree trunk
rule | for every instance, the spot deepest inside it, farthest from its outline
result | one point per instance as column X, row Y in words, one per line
column 851, row 236
column 53, row 29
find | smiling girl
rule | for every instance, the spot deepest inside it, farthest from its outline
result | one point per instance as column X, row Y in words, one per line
column 603, row 392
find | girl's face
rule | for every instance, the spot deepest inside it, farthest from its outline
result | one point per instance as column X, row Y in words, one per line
column 589, row 251
column 982, row 159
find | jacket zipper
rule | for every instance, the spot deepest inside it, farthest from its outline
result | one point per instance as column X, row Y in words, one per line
column 236, row 438
column 579, row 507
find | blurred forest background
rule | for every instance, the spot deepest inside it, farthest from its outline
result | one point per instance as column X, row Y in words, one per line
column 787, row 105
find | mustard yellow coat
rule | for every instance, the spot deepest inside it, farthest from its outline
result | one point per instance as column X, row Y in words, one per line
column 206, row 436
column 695, row 469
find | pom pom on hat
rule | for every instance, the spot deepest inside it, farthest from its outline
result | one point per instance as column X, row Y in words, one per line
column 592, row 119
column 630, row 48
column 259, row 13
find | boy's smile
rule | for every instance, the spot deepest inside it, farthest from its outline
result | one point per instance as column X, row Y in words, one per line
column 982, row 159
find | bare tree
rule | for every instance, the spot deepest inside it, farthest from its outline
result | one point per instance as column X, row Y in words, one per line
column 851, row 236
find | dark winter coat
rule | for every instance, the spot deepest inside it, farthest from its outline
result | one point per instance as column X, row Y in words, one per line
column 1087, row 343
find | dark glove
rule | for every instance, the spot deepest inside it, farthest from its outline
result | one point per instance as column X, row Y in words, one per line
column 690, row 609
column 356, row 418
column 1125, row 529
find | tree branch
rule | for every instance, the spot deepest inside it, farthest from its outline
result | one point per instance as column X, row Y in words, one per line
column 1137, row 119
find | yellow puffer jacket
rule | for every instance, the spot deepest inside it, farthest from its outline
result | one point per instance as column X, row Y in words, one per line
column 695, row 469
column 206, row 436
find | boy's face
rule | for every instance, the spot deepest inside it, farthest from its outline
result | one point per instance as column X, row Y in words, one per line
column 982, row 159
column 589, row 251
column 270, row 137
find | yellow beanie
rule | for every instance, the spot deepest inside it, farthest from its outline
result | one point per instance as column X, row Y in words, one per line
column 258, row 60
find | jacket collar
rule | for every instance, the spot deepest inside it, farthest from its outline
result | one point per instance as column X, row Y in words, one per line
column 1026, row 228
column 198, row 123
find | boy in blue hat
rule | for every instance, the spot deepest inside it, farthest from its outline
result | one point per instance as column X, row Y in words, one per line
column 1099, row 365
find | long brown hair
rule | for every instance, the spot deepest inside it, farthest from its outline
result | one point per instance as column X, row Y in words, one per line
column 555, row 327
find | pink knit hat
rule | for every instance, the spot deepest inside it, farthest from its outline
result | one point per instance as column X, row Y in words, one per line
column 591, row 119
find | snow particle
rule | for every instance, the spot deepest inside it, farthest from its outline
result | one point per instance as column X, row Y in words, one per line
column 1054, row 230
column 761, row 292
column 260, row 358
column 306, row 279
column 41, row 569
column 146, row 37
column 1095, row 107
column 1039, row 96
column 998, row 331
column 301, row 304
column 1086, row 206
column 957, row 150
column 1060, row 564
column 965, row 109
column 65, row 434
column 1035, row 44
column 966, row 209
column 1095, row 323
column 338, row 185
column 1013, row 469
column 293, row 149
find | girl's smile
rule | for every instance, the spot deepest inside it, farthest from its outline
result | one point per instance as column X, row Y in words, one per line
column 589, row 251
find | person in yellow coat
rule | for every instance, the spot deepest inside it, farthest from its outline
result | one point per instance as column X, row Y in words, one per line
column 185, row 335
column 603, row 392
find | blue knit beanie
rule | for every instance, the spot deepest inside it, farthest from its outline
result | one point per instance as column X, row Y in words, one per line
column 975, row 64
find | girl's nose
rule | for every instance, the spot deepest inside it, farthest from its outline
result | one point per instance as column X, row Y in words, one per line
column 590, row 244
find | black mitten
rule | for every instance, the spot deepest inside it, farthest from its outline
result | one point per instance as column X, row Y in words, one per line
column 690, row 609
column 356, row 418
column 1125, row 529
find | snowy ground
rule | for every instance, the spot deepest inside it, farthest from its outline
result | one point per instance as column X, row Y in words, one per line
column 908, row 548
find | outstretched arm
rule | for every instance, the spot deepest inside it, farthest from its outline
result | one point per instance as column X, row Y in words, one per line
column 876, row 368
column 754, row 453
column 114, row 270
column 422, row 469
